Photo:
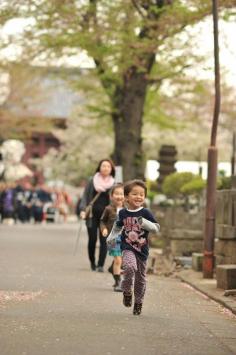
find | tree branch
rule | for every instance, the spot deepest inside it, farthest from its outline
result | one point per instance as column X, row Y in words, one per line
column 159, row 79
column 90, row 19
column 138, row 8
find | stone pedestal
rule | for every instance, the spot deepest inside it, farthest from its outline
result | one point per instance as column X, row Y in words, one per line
column 225, row 243
column 226, row 276
column 197, row 259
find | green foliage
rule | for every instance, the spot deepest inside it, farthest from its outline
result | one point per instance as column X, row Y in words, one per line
column 194, row 187
column 224, row 183
column 229, row 15
column 117, row 35
column 150, row 195
column 152, row 185
column 151, row 189
column 185, row 183
column 154, row 112
column 174, row 182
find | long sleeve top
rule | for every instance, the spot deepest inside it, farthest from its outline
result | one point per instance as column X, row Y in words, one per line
column 134, row 236
column 108, row 218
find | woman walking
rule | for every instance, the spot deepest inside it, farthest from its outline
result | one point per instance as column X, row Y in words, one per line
column 96, row 194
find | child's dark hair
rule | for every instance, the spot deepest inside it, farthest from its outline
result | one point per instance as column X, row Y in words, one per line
column 116, row 186
column 132, row 183
column 113, row 171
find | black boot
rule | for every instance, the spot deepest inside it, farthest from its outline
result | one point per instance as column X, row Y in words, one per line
column 110, row 269
column 117, row 287
column 115, row 281
column 127, row 299
column 137, row 309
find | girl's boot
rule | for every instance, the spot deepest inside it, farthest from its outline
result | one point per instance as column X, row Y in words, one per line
column 117, row 287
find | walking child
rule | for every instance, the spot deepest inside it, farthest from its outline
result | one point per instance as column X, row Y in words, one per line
column 136, row 222
column 108, row 218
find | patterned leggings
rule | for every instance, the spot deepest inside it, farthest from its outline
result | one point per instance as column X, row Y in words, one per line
column 134, row 270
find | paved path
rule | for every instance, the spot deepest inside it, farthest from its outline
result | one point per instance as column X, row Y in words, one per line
column 57, row 306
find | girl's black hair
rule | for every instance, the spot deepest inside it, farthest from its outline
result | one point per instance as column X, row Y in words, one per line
column 113, row 171
column 115, row 186
column 132, row 183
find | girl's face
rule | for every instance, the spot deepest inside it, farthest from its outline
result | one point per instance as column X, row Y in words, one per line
column 135, row 197
column 118, row 197
column 105, row 168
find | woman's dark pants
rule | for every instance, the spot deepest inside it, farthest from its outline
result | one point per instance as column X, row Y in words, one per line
column 93, row 232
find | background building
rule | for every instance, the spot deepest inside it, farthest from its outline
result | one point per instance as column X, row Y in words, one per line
column 38, row 103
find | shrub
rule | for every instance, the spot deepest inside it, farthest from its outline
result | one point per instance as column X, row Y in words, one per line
column 194, row 187
column 184, row 184
column 150, row 195
column 174, row 182
column 224, row 183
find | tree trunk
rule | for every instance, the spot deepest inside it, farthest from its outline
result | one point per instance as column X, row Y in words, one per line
column 128, row 120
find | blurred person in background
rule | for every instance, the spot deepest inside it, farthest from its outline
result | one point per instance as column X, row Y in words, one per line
column 63, row 202
column 9, row 203
column 40, row 196
column 2, row 189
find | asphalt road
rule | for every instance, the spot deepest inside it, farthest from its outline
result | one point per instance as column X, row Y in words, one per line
column 52, row 304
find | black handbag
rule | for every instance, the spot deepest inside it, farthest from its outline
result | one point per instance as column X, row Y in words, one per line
column 89, row 208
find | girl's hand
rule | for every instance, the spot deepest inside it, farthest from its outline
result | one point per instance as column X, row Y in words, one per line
column 105, row 232
column 82, row 215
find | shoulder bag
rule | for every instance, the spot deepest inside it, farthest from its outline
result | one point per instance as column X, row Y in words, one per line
column 89, row 208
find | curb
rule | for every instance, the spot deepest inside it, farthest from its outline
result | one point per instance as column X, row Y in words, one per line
column 226, row 304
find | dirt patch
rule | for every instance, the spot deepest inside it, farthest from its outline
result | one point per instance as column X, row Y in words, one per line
column 17, row 296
